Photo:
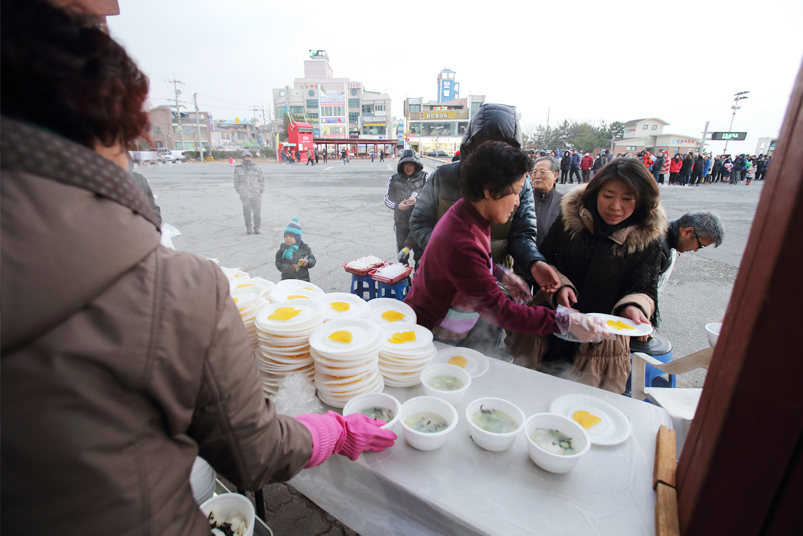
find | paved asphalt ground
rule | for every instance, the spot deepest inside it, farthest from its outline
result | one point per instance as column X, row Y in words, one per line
column 342, row 214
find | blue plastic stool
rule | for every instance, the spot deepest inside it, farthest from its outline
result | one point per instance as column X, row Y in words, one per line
column 360, row 284
column 658, row 348
column 397, row 290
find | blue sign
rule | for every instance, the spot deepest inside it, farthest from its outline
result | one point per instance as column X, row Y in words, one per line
column 316, row 133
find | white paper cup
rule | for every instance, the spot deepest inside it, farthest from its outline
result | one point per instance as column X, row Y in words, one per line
column 421, row 440
column 556, row 463
column 452, row 397
column 489, row 440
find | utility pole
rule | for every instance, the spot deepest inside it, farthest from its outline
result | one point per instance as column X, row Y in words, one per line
column 705, row 135
column 742, row 95
column 177, row 92
column 198, row 126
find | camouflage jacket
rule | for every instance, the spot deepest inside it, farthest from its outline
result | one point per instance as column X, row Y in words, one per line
column 249, row 180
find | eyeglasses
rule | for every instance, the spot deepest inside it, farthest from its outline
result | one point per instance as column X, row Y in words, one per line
column 699, row 244
column 542, row 172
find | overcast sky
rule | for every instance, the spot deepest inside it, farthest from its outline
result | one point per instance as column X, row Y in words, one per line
column 586, row 60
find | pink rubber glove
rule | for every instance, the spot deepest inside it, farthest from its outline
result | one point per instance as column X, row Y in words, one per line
column 350, row 435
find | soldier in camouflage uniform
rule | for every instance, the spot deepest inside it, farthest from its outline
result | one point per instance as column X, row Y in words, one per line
column 250, row 183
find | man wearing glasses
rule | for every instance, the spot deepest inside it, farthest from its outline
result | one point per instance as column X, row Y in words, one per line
column 691, row 232
column 546, row 197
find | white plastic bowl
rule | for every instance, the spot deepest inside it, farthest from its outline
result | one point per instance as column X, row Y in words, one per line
column 232, row 503
column 556, row 463
column 375, row 400
column 489, row 440
column 452, row 397
column 713, row 332
column 421, row 440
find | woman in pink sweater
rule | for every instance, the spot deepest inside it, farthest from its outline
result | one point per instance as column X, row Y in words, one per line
column 456, row 282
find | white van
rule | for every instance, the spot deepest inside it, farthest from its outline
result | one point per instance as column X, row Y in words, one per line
column 172, row 156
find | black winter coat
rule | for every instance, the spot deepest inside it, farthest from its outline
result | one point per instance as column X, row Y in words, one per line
column 401, row 187
column 566, row 162
column 697, row 169
column 686, row 166
column 659, row 163
column 285, row 266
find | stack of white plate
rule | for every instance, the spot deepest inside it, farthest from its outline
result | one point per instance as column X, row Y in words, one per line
column 264, row 283
column 202, row 480
column 283, row 330
column 388, row 310
column 297, row 284
column 346, row 355
column 340, row 305
column 234, row 274
column 401, row 363
column 249, row 302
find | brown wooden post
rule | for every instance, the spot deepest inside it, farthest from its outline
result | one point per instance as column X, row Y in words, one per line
column 740, row 470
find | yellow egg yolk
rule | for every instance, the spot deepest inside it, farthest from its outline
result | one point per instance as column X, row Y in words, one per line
column 618, row 324
column 296, row 297
column 458, row 361
column 341, row 336
column 402, row 337
column 340, row 306
column 392, row 316
column 586, row 419
column 236, row 300
column 284, row 313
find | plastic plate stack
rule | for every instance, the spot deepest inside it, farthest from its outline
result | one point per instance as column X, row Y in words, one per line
column 340, row 305
column 234, row 274
column 291, row 289
column 202, row 480
column 346, row 355
column 249, row 302
column 389, row 310
column 264, row 283
column 406, row 350
column 283, row 330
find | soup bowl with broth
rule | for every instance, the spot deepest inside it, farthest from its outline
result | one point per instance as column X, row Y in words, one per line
column 376, row 405
column 447, row 382
column 553, row 425
column 494, row 423
column 427, row 421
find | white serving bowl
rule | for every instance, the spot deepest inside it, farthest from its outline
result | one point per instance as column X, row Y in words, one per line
column 452, row 397
column 713, row 330
column 489, row 440
column 556, row 463
column 375, row 400
column 232, row 503
column 421, row 440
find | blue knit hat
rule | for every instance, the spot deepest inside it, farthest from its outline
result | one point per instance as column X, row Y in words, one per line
column 293, row 229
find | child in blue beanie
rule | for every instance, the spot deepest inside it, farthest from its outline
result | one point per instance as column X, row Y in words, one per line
column 294, row 258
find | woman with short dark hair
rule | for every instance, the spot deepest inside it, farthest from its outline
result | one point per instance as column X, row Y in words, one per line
column 606, row 247
column 456, row 282
column 122, row 360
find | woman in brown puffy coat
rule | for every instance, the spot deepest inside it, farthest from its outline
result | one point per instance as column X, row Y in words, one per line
column 122, row 360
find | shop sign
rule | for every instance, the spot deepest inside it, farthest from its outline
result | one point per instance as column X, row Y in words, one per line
column 354, row 134
column 318, row 54
column 334, row 119
column 355, row 85
column 341, row 98
column 453, row 114
column 316, row 132
column 680, row 141
column 728, row 136
column 374, row 120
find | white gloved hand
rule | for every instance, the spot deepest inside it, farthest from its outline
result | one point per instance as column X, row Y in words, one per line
column 585, row 328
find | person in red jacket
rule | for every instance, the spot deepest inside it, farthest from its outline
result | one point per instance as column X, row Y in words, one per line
column 674, row 169
column 585, row 166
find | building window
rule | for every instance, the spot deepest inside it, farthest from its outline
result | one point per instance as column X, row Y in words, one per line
column 379, row 107
column 475, row 105
column 157, row 130
column 354, row 117
column 367, row 109
column 631, row 148
column 445, row 93
column 644, row 127
column 447, row 128
column 414, row 108
column 178, row 145
column 176, row 130
column 415, row 128
column 241, row 135
column 281, row 112
column 374, row 131
column 353, row 93
column 655, row 127
column 354, row 103
column 312, row 115
column 333, row 111
column 158, row 145
column 296, row 109
column 312, row 103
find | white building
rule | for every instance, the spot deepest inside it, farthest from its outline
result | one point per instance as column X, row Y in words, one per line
column 648, row 134
column 335, row 107
column 765, row 146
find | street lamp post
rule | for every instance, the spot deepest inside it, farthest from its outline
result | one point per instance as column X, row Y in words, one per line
column 742, row 95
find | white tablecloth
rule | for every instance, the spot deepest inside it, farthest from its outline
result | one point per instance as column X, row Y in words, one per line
column 462, row 489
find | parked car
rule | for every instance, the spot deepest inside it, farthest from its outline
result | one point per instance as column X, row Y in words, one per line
column 438, row 154
column 172, row 156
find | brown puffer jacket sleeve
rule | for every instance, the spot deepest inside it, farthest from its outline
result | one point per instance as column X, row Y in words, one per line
column 237, row 429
